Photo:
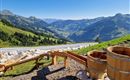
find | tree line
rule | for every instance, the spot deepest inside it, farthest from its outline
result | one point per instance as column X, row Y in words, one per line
column 19, row 39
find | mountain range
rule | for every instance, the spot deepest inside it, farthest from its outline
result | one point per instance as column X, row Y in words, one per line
column 50, row 20
column 10, row 35
column 105, row 28
column 31, row 23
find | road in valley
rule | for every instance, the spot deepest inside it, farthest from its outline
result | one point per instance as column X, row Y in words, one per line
column 56, row 47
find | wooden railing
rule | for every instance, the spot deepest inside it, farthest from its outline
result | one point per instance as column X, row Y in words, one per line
column 54, row 55
column 8, row 66
column 66, row 55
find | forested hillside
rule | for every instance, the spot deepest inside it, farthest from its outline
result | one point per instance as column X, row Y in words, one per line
column 12, row 36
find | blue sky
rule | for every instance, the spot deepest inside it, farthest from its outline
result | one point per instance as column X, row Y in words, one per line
column 66, row 9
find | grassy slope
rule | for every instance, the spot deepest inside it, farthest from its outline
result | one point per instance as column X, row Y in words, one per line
column 104, row 44
column 4, row 44
column 11, row 30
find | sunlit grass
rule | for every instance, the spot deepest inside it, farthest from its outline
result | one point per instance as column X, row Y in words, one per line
column 103, row 44
column 11, row 30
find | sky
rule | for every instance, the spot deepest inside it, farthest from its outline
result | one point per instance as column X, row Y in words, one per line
column 66, row 9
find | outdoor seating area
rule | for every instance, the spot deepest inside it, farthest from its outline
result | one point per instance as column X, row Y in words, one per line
column 115, row 62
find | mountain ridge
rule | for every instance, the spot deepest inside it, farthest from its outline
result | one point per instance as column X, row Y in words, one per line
column 30, row 23
column 83, row 30
column 108, row 28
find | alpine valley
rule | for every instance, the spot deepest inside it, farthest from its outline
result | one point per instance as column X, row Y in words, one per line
column 85, row 30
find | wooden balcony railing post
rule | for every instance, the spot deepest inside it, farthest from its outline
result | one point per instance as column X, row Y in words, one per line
column 54, row 60
column 48, row 57
column 65, row 62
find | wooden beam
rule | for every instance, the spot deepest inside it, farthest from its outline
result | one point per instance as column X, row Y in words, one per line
column 66, row 64
column 54, row 56
column 79, row 56
column 54, row 60
column 7, row 66
column 57, row 53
